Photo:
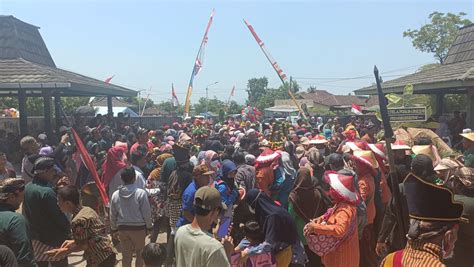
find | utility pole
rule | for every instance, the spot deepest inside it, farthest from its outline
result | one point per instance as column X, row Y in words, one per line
column 207, row 97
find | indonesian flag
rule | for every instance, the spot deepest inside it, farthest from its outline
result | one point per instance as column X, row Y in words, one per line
column 109, row 79
column 233, row 91
column 356, row 109
column 87, row 160
column 174, row 98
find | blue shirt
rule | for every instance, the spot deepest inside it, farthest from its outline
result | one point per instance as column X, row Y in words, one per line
column 188, row 203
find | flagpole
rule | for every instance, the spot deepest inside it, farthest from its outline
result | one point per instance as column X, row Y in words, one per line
column 190, row 86
column 275, row 65
column 230, row 95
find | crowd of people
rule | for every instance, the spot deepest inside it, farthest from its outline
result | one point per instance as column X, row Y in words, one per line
column 238, row 193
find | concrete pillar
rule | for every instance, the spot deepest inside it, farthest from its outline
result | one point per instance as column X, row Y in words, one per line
column 23, row 113
column 47, row 114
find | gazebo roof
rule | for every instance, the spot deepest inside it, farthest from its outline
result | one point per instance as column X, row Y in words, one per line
column 19, row 73
column 453, row 76
column 26, row 64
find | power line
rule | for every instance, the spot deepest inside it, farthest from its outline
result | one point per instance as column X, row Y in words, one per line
column 334, row 79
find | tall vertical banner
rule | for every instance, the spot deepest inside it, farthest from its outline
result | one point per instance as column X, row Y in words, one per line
column 275, row 65
column 197, row 66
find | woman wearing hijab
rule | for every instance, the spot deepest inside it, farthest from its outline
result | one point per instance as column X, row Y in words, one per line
column 340, row 222
column 315, row 162
column 226, row 185
column 278, row 227
column 112, row 168
column 306, row 202
column 290, row 148
column 284, row 179
column 211, row 160
column 157, row 201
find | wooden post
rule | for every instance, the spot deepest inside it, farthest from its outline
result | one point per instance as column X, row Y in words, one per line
column 470, row 108
column 57, row 112
column 47, row 114
column 439, row 104
column 109, row 106
column 23, row 112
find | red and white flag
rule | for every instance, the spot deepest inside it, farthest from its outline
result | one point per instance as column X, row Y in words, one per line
column 109, row 79
column 174, row 98
column 356, row 109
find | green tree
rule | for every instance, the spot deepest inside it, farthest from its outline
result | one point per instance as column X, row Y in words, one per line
column 70, row 104
column 234, row 108
column 168, row 107
column 212, row 105
column 436, row 37
column 256, row 88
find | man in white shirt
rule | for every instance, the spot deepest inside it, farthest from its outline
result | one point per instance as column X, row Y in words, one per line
column 194, row 246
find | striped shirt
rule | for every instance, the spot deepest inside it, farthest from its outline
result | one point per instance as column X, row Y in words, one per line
column 88, row 228
column 415, row 254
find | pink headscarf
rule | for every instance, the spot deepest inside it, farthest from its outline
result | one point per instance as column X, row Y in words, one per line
column 113, row 163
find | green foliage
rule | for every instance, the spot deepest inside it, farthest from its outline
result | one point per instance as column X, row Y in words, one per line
column 262, row 97
column 234, row 108
column 454, row 102
column 437, row 36
column 168, row 107
column 256, row 89
column 70, row 104
column 213, row 105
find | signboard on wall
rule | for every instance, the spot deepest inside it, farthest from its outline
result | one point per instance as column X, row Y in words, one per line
column 407, row 114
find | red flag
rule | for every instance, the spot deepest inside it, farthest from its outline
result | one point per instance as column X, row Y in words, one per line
column 109, row 79
column 233, row 91
column 356, row 109
column 87, row 160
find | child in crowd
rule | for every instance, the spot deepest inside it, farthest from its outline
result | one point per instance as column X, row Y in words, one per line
column 252, row 251
column 154, row 255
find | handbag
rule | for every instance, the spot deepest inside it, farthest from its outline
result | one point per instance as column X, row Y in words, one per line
column 322, row 244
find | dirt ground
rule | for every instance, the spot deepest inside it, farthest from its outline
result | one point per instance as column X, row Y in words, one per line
column 76, row 260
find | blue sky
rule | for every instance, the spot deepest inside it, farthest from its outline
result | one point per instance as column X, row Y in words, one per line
column 154, row 43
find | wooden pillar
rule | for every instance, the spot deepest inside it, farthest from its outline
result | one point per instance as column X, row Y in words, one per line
column 470, row 108
column 110, row 111
column 57, row 111
column 23, row 113
column 47, row 114
column 439, row 104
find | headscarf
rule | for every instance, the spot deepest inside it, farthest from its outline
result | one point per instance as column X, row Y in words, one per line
column 287, row 164
column 46, row 151
column 156, row 173
column 276, row 222
column 290, row 148
column 200, row 156
column 113, row 163
column 227, row 167
column 306, row 198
